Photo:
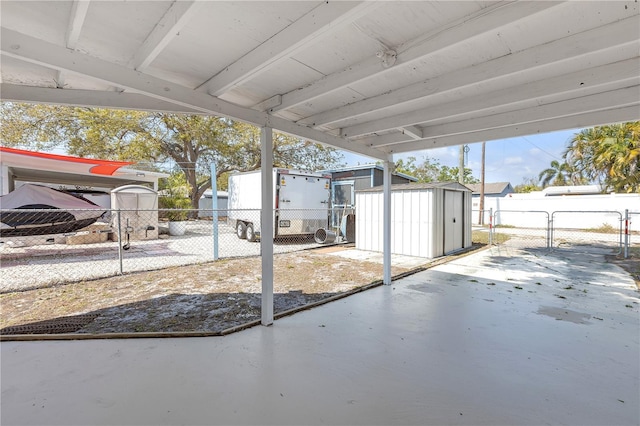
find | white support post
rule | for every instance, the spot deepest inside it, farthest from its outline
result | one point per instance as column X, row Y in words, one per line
column 4, row 179
column 266, row 226
column 386, row 220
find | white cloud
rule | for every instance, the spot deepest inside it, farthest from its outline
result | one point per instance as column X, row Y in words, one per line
column 513, row 160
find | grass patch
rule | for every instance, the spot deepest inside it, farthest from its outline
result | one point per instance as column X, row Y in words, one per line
column 605, row 228
column 482, row 237
column 634, row 251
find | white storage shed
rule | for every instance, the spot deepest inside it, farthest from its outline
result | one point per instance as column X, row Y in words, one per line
column 138, row 206
column 427, row 219
column 205, row 204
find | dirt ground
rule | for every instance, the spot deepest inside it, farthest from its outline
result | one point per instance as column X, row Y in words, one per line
column 206, row 298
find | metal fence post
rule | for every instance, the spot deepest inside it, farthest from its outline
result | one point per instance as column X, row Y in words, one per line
column 626, row 233
column 214, row 207
column 119, row 241
column 490, row 226
column 550, row 228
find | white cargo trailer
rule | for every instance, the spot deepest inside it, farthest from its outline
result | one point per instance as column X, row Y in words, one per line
column 301, row 202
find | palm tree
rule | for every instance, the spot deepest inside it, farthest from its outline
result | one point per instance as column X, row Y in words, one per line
column 609, row 155
column 559, row 174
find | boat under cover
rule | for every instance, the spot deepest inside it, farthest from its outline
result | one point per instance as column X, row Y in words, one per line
column 40, row 210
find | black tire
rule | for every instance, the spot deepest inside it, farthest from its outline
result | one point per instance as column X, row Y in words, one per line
column 241, row 230
column 251, row 235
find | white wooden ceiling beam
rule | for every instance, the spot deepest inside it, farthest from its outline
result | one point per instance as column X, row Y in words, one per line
column 36, row 51
column 89, row 98
column 165, row 30
column 615, row 41
column 324, row 18
column 485, row 20
column 597, row 79
column 617, row 115
column 413, row 132
column 77, row 17
column 377, row 141
column 269, row 103
column 598, row 102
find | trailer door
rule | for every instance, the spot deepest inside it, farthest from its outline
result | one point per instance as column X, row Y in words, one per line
column 303, row 204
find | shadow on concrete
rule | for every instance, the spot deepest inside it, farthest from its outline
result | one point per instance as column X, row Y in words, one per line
column 213, row 313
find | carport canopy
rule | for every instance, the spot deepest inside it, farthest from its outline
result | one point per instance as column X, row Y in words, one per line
column 375, row 78
column 41, row 167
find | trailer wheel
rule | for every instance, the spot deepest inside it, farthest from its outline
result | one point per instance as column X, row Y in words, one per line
column 251, row 236
column 241, row 230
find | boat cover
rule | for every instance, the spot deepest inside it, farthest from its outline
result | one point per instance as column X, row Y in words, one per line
column 54, row 212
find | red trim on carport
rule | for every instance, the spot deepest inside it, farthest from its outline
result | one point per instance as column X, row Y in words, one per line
column 102, row 167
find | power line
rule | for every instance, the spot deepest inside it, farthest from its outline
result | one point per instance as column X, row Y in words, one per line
column 546, row 152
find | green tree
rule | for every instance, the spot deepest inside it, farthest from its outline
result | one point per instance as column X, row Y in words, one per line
column 528, row 185
column 450, row 174
column 430, row 170
column 425, row 171
column 158, row 140
column 609, row 155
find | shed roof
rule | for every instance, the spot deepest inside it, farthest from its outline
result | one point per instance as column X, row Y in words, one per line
column 455, row 186
column 366, row 167
column 489, row 188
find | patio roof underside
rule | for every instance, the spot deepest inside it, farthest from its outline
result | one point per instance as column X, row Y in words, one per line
column 374, row 78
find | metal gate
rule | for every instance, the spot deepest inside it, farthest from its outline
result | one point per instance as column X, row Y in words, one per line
column 521, row 229
column 587, row 231
column 632, row 234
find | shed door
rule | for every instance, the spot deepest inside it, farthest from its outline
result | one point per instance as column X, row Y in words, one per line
column 453, row 221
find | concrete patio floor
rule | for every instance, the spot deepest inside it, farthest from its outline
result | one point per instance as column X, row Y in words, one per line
column 499, row 337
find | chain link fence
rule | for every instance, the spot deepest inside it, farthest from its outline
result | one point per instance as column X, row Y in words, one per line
column 598, row 232
column 125, row 241
column 522, row 229
column 583, row 231
column 171, row 270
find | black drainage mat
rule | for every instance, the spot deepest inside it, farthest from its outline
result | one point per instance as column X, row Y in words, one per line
column 54, row 326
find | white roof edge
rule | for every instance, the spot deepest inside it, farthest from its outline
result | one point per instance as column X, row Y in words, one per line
column 140, row 173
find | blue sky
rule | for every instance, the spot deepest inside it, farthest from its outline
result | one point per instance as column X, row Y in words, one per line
column 507, row 160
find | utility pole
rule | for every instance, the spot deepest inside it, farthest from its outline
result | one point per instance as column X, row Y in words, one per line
column 481, row 218
column 461, row 165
